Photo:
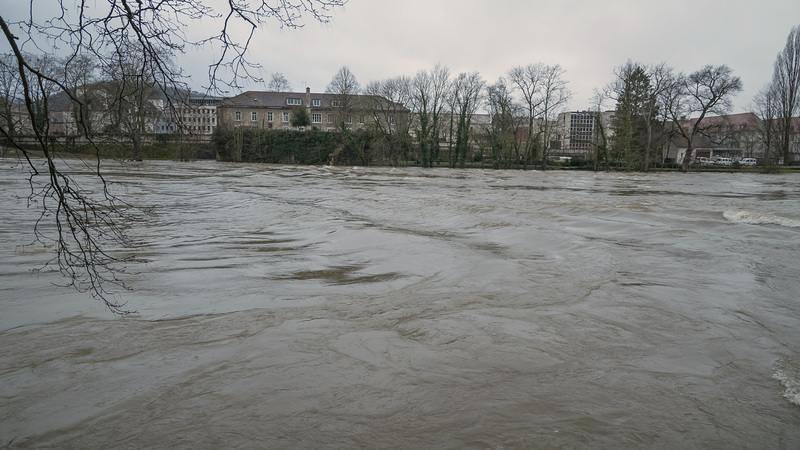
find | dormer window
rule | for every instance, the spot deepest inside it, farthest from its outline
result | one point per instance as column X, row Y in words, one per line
column 294, row 101
column 316, row 102
column 336, row 103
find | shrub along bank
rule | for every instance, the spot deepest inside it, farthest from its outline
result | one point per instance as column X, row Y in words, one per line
column 358, row 147
column 274, row 146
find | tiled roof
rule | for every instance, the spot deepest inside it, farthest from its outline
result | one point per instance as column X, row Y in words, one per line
column 730, row 122
column 262, row 99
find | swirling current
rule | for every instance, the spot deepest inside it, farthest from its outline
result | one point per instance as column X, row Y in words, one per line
column 359, row 307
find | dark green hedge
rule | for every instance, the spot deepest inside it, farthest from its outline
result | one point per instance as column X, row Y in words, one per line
column 274, row 146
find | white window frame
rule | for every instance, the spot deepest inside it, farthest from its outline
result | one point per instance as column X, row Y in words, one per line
column 253, row 116
column 285, row 116
column 294, row 101
column 269, row 116
column 316, row 118
column 237, row 116
column 316, row 102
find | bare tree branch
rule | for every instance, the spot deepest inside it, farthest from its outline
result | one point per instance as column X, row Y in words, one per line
column 134, row 42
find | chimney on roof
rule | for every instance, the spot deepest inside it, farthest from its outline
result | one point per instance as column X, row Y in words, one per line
column 308, row 97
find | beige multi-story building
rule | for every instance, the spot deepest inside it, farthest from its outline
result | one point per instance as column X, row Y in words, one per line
column 273, row 110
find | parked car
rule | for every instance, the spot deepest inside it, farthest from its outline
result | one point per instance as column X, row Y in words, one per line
column 704, row 160
column 748, row 161
column 723, row 161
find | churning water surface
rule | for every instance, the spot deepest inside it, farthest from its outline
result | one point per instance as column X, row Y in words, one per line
column 331, row 307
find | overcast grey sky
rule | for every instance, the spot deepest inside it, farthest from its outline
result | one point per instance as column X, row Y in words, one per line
column 379, row 39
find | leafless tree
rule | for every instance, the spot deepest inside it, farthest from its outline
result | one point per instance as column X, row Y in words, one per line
column 278, row 83
column 78, row 221
column 705, row 92
column 466, row 92
column 345, row 87
column 599, row 139
column 132, row 93
column 528, row 82
column 766, row 107
column 388, row 102
column 429, row 93
column 507, row 119
column 10, row 87
column 786, row 85
column 556, row 95
column 545, row 94
column 81, row 80
column 389, row 97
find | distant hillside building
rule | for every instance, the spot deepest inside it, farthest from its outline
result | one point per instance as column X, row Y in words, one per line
column 273, row 110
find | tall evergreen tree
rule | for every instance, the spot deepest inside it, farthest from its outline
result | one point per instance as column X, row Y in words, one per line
column 633, row 95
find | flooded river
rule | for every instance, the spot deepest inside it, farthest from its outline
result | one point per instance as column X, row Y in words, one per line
column 331, row 307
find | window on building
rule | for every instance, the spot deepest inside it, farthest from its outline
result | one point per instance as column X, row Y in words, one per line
column 286, row 117
column 336, row 103
column 237, row 116
column 316, row 118
column 269, row 116
column 316, row 102
column 330, row 118
column 253, row 116
column 294, row 101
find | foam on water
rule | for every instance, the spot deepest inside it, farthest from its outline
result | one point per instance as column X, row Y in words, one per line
column 789, row 376
column 755, row 218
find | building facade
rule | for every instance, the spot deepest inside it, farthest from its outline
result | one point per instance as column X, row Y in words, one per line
column 195, row 115
column 579, row 131
column 327, row 112
column 735, row 136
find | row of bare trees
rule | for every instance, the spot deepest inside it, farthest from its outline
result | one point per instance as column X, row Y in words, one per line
column 654, row 104
column 443, row 107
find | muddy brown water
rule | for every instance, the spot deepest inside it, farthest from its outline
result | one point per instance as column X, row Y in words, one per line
column 331, row 307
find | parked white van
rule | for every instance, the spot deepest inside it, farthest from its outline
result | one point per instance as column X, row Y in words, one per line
column 723, row 161
column 748, row 162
